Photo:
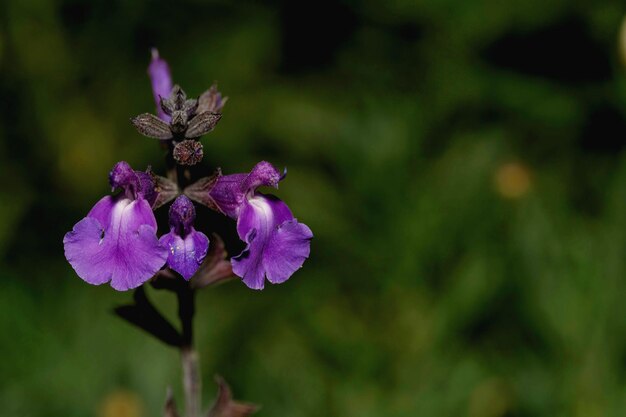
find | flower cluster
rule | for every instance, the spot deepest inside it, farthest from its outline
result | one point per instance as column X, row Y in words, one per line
column 118, row 241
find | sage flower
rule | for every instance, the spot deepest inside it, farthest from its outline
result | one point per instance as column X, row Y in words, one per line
column 276, row 243
column 116, row 242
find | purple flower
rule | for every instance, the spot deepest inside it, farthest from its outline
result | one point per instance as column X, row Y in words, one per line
column 161, row 80
column 187, row 247
column 117, row 240
column 277, row 245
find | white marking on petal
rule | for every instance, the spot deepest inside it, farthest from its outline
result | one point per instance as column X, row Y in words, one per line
column 262, row 208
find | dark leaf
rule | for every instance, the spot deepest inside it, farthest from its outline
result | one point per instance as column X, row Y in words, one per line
column 143, row 315
column 151, row 126
column 201, row 124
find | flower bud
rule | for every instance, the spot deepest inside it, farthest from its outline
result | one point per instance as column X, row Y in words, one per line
column 182, row 215
column 188, row 152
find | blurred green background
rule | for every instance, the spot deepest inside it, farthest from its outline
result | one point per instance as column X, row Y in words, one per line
column 461, row 163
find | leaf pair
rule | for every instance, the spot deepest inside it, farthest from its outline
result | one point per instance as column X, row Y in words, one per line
column 151, row 126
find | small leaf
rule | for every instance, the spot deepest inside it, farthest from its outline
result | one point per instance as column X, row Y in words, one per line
column 225, row 406
column 151, row 126
column 201, row 124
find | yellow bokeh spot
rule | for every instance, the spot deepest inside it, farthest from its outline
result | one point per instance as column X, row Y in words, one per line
column 121, row 403
column 512, row 180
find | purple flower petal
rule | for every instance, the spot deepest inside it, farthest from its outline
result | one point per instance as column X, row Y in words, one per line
column 286, row 251
column 277, row 245
column 185, row 254
column 161, row 79
column 103, row 209
column 116, row 242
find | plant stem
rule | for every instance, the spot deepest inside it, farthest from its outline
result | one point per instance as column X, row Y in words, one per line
column 192, row 382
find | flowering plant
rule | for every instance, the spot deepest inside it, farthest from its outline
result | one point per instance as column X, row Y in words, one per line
column 117, row 242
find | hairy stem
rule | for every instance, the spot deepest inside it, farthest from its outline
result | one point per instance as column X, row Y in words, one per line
column 191, row 381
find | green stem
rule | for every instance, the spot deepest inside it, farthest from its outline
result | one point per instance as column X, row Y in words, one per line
column 192, row 382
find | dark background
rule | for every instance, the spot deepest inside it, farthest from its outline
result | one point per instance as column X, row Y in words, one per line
column 461, row 164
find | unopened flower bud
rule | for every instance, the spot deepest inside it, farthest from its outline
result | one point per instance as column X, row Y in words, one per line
column 182, row 215
column 188, row 152
column 161, row 79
